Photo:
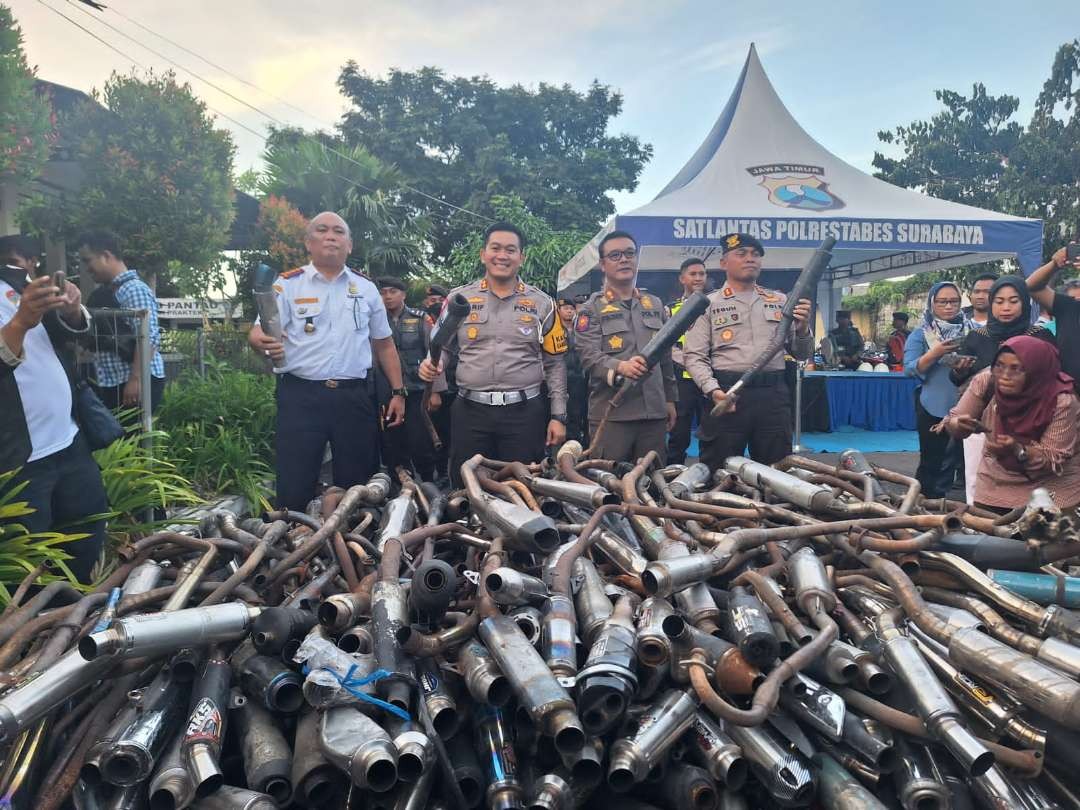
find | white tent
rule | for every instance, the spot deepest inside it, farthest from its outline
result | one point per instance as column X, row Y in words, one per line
column 759, row 172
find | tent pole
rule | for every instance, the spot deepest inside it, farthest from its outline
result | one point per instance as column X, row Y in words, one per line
column 800, row 369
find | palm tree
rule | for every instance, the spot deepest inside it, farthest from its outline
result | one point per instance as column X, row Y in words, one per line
column 317, row 173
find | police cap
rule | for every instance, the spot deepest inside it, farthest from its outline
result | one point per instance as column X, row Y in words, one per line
column 903, row 316
column 734, row 241
column 391, row 281
column 437, row 289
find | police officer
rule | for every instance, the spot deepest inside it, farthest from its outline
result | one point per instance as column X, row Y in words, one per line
column 331, row 320
column 691, row 403
column 612, row 328
column 846, row 340
column 723, row 343
column 434, row 296
column 577, row 386
column 510, row 345
column 410, row 443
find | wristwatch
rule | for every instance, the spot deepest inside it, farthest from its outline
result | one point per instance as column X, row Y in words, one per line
column 399, row 392
column 560, row 418
column 1021, row 453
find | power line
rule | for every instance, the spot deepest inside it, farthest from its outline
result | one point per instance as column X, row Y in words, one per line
column 255, row 109
column 445, row 217
column 216, row 66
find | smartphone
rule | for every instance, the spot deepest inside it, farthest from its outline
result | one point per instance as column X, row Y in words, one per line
column 1072, row 253
column 59, row 280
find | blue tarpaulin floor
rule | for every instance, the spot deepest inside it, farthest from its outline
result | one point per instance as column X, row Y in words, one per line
column 869, row 441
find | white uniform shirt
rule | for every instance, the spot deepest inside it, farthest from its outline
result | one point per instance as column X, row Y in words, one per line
column 327, row 325
column 43, row 386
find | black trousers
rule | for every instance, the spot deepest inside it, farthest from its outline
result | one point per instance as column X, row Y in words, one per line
column 64, row 488
column 504, row 432
column 113, row 395
column 442, row 421
column 937, row 455
column 761, row 419
column 410, row 445
column 689, row 407
column 308, row 416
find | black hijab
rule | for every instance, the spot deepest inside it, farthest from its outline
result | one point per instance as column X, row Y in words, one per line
column 998, row 331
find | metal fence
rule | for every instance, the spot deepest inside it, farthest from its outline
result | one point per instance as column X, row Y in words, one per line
column 119, row 336
column 202, row 349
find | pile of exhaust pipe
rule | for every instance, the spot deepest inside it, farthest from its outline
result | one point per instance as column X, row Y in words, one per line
column 569, row 634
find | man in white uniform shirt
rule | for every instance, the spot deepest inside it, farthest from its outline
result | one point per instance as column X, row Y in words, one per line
column 332, row 317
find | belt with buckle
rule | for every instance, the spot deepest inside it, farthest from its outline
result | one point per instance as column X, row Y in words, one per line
column 500, row 397
column 349, row 383
column 766, row 379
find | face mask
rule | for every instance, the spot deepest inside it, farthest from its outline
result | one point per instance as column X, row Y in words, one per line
column 434, row 311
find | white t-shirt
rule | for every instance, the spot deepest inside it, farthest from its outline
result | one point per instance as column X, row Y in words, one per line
column 43, row 386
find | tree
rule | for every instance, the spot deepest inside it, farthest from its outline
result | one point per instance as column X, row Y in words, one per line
column 320, row 174
column 546, row 249
column 278, row 241
column 974, row 153
column 26, row 125
column 464, row 140
column 157, row 173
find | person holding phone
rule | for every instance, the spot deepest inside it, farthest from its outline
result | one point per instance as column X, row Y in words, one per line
column 332, row 322
column 928, row 354
column 1062, row 305
column 1031, row 414
column 39, row 435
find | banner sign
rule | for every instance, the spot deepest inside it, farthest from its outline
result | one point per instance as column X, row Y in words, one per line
column 192, row 309
column 1022, row 238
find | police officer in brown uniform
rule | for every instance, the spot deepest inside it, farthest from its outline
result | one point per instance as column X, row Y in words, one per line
column 408, row 444
column 612, row 328
column 723, row 343
column 510, row 345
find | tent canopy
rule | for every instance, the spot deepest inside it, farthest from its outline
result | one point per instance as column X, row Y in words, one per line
column 759, row 172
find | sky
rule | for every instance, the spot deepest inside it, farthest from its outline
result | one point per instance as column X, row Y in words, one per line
column 846, row 70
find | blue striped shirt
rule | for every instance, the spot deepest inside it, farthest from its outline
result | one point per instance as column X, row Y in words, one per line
column 131, row 293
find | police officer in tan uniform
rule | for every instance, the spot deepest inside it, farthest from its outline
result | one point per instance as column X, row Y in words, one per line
column 510, row 345
column 692, row 279
column 723, row 343
column 612, row 328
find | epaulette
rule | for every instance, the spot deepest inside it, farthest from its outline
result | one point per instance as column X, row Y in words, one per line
column 292, row 273
column 416, row 313
column 359, row 272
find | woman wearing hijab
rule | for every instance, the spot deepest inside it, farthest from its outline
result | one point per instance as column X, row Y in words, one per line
column 1009, row 317
column 941, row 332
column 1027, row 406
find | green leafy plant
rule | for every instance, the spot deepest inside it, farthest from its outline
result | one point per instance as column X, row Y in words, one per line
column 22, row 551
column 220, row 459
column 139, row 480
column 220, row 430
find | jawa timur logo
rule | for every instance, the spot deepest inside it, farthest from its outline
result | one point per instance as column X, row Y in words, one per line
column 796, row 185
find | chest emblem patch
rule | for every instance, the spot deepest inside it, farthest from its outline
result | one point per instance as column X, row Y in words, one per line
column 472, row 332
column 609, row 308
column 727, row 335
column 615, row 342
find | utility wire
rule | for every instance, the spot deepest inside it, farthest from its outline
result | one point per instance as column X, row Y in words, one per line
column 216, row 66
column 250, row 106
